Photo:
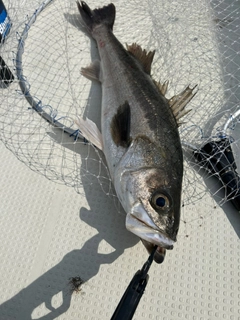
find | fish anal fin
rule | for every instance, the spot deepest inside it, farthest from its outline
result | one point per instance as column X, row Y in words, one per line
column 93, row 71
column 120, row 126
column 90, row 131
column 179, row 102
column 144, row 57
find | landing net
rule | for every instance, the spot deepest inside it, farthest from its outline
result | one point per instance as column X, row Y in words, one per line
column 196, row 42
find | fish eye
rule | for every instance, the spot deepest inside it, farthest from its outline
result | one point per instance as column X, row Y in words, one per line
column 160, row 201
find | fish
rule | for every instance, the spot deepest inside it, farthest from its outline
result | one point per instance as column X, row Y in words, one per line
column 139, row 132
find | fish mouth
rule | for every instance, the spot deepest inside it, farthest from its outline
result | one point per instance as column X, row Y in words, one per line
column 146, row 232
column 139, row 223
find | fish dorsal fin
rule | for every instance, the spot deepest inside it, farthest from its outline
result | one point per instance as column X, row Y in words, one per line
column 179, row 102
column 120, row 126
column 162, row 87
column 144, row 57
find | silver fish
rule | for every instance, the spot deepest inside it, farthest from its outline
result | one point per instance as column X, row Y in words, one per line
column 139, row 133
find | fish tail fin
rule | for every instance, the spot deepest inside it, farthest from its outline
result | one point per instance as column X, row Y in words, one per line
column 92, row 18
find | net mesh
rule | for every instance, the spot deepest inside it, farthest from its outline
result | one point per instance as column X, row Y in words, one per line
column 196, row 42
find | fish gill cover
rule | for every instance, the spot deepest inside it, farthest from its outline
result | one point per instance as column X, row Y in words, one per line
column 196, row 43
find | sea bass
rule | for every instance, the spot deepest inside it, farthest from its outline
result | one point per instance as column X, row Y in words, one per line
column 139, row 133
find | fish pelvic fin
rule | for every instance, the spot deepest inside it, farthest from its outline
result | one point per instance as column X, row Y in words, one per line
column 90, row 131
column 92, row 18
column 93, row 71
column 179, row 102
column 144, row 57
column 120, row 126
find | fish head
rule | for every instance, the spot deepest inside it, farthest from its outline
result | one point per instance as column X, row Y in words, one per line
column 151, row 198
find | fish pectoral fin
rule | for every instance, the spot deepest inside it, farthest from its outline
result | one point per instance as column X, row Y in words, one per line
column 179, row 102
column 90, row 131
column 93, row 71
column 144, row 57
column 120, row 126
